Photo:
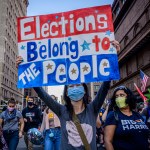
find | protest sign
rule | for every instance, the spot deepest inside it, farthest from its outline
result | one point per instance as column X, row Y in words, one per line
column 67, row 48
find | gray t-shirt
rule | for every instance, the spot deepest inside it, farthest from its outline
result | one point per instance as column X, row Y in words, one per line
column 70, row 138
column 13, row 124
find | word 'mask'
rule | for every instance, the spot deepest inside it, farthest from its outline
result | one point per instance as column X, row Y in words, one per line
column 67, row 48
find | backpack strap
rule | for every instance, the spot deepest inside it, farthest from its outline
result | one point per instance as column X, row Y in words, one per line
column 81, row 132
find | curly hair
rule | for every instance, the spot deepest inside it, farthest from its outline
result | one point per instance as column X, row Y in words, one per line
column 68, row 101
column 131, row 99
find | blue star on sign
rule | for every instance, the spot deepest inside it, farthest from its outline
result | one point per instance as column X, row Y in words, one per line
column 85, row 45
column 108, row 33
column 69, row 38
column 48, row 21
column 111, row 49
column 96, row 11
column 39, row 42
column 22, row 47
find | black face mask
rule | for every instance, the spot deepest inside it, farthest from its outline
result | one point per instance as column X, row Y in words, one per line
column 30, row 103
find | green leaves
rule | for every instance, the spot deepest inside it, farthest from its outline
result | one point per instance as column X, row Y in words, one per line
column 148, row 95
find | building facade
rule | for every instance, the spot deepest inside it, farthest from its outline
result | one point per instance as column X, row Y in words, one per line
column 9, row 11
column 131, row 20
column 132, row 30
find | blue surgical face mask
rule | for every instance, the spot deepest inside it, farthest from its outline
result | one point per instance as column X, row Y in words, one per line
column 76, row 93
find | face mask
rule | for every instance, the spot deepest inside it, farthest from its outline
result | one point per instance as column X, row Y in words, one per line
column 30, row 103
column 121, row 102
column 10, row 108
column 76, row 93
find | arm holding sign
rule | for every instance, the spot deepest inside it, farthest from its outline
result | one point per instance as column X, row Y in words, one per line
column 100, row 97
column 50, row 102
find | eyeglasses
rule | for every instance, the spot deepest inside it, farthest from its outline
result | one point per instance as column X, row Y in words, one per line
column 120, row 88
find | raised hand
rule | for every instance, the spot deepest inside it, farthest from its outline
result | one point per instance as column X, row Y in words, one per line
column 19, row 60
column 116, row 45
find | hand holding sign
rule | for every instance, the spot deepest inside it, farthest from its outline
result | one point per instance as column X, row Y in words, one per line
column 116, row 45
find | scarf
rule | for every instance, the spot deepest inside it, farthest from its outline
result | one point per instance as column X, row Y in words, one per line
column 10, row 116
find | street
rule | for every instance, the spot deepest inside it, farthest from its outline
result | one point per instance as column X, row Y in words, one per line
column 22, row 146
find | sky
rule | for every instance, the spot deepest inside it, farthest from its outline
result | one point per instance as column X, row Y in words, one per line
column 40, row 7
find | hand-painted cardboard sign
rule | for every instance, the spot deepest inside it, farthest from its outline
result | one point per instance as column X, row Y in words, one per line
column 67, row 48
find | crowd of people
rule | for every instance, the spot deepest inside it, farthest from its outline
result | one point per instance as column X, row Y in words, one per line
column 115, row 124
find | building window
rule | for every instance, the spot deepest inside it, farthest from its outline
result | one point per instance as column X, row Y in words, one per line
column 139, row 60
column 96, row 87
column 125, row 40
column 129, row 68
column 136, row 29
column 95, row 93
column 117, row 10
column 131, row 86
column 147, row 14
column 121, row 73
column 123, row 1
column 138, row 82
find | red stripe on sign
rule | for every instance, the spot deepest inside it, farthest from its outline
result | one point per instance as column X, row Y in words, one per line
column 81, row 21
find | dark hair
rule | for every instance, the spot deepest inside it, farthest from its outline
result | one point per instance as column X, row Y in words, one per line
column 31, row 97
column 12, row 101
column 68, row 101
column 131, row 99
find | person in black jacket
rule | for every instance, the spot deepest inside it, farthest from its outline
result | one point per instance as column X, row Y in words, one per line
column 32, row 119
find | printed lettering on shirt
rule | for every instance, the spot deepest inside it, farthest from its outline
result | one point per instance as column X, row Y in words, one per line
column 131, row 124
column 30, row 114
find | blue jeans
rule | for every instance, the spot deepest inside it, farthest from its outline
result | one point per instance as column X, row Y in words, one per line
column 11, row 138
column 53, row 142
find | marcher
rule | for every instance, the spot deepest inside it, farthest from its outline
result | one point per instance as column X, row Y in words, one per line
column 77, row 115
column 51, row 127
column 125, row 128
column 100, row 129
column 32, row 119
column 11, row 118
column 140, row 107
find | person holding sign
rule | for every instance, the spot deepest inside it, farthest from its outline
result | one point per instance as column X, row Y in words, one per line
column 51, row 125
column 77, row 117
